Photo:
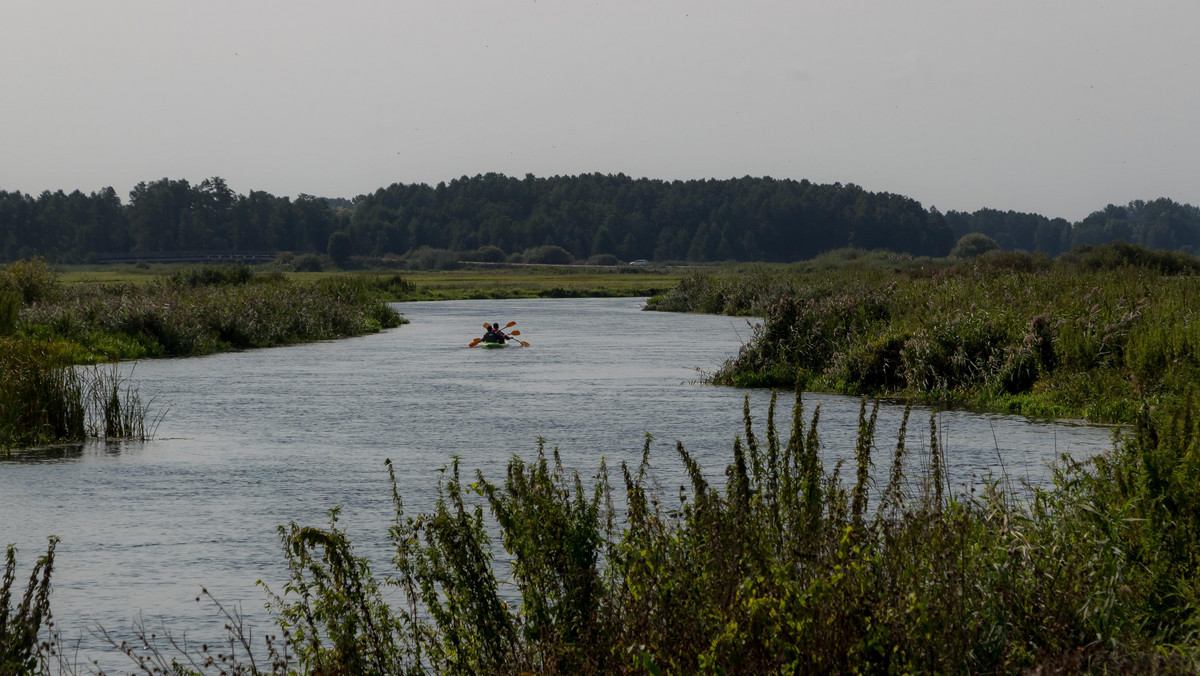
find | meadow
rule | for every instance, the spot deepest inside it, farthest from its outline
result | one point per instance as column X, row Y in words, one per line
column 1100, row 334
column 469, row 281
column 48, row 328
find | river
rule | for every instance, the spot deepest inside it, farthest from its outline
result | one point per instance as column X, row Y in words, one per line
column 251, row 440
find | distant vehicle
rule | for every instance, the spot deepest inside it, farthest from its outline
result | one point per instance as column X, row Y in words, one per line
column 640, row 261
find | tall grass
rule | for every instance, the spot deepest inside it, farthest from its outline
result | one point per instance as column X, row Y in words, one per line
column 1088, row 336
column 784, row 565
column 169, row 318
column 43, row 400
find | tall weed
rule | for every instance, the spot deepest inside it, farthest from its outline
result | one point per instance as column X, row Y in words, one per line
column 22, row 650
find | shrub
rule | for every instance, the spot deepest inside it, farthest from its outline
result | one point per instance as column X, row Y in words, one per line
column 428, row 258
column 604, row 259
column 308, row 263
column 31, row 280
column 973, row 244
column 486, row 254
column 212, row 275
column 1115, row 255
column 339, row 248
column 549, row 255
column 1006, row 331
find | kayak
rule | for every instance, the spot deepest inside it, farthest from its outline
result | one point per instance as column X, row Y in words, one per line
column 491, row 345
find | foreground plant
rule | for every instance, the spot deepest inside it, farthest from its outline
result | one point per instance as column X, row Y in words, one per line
column 21, row 624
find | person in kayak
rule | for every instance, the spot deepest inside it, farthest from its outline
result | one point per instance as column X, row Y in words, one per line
column 498, row 333
column 494, row 334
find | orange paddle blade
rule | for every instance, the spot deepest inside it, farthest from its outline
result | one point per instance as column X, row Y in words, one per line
column 510, row 324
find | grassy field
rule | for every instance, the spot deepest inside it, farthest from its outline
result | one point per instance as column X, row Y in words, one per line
column 1101, row 334
column 48, row 327
column 476, row 282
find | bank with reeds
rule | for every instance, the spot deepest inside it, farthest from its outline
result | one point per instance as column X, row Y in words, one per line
column 48, row 329
column 1095, row 334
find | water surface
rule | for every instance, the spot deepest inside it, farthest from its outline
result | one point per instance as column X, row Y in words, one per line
column 255, row 439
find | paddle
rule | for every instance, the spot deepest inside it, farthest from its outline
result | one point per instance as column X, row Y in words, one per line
column 486, row 327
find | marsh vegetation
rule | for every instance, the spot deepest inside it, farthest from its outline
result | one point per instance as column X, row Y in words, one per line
column 1093, row 334
column 48, row 328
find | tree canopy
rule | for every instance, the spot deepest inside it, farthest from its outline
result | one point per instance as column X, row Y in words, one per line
column 584, row 216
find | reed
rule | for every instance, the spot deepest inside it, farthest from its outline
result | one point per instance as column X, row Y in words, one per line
column 206, row 311
column 45, row 400
column 1088, row 336
column 115, row 409
column 41, row 397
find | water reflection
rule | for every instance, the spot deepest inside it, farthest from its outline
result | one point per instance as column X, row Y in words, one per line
column 91, row 449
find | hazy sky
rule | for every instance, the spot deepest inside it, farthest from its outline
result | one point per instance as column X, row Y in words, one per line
column 1055, row 107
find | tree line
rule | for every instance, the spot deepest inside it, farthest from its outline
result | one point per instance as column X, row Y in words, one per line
column 583, row 217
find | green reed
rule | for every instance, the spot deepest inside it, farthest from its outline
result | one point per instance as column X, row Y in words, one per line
column 44, row 400
column 41, row 397
column 1088, row 336
column 201, row 311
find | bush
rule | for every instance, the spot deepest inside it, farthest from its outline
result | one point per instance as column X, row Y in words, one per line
column 339, row 248
column 21, row 652
column 212, row 275
column 973, row 244
column 1006, row 331
column 1116, row 255
column 31, row 280
column 428, row 258
column 308, row 263
column 486, row 254
column 604, row 259
column 549, row 255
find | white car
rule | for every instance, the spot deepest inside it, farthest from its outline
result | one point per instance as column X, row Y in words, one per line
column 640, row 261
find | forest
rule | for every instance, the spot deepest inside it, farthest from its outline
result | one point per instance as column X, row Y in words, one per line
column 561, row 219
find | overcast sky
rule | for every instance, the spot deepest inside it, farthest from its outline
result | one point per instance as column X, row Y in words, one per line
column 1054, row 107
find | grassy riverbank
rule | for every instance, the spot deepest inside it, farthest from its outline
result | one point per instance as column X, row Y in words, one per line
column 48, row 327
column 790, row 567
column 1095, row 334
column 477, row 282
